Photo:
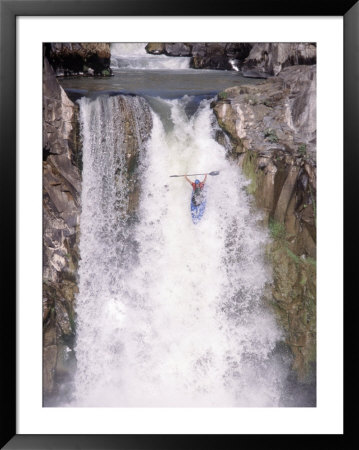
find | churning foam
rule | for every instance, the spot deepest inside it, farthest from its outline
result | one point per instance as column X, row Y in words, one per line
column 134, row 56
column 181, row 323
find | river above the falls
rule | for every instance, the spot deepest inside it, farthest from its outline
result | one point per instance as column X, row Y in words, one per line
column 167, row 83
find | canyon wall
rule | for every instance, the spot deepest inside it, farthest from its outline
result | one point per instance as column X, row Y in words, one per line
column 61, row 210
column 271, row 129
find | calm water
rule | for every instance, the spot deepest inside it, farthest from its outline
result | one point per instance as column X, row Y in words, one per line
column 162, row 83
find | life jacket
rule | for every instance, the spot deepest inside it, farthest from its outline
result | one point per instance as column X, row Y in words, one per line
column 197, row 187
column 197, row 195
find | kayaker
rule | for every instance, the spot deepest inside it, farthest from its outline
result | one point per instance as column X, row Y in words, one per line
column 197, row 195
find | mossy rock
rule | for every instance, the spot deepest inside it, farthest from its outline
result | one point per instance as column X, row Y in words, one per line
column 294, row 300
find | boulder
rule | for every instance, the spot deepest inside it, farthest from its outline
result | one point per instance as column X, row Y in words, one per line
column 215, row 62
column 216, row 55
column 213, row 56
column 79, row 58
column 238, row 50
column 199, row 49
column 301, row 106
column 266, row 59
column 177, row 49
column 155, row 48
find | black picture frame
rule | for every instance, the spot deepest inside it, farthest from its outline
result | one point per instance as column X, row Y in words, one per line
column 9, row 10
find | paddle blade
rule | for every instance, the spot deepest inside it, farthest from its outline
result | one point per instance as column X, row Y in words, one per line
column 216, row 172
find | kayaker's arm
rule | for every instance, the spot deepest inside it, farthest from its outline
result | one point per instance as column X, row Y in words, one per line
column 189, row 181
column 205, row 178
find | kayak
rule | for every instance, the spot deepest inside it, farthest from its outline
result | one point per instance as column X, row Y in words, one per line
column 197, row 209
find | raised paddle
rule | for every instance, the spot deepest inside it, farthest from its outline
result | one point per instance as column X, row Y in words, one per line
column 216, row 172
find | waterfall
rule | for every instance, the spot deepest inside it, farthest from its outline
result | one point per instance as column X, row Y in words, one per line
column 169, row 313
column 134, row 56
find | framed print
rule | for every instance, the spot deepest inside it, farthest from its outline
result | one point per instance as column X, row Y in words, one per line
column 170, row 228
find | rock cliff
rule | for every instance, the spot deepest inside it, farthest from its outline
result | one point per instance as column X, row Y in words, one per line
column 61, row 209
column 259, row 60
column 86, row 59
column 223, row 56
column 266, row 59
column 271, row 128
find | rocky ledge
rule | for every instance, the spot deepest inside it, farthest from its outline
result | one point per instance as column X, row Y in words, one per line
column 61, row 209
column 271, row 131
column 258, row 60
column 267, row 59
column 79, row 59
column 222, row 56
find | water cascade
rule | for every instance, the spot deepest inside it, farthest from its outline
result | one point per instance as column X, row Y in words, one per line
column 133, row 56
column 169, row 313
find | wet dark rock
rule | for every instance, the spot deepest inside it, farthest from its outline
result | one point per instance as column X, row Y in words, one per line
column 199, row 49
column 177, row 49
column 79, row 59
column 221, row 56
column 61, row 210
column 216, row 62
column 238, row 51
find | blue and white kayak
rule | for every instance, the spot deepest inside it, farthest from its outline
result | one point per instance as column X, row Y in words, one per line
column 197, row 209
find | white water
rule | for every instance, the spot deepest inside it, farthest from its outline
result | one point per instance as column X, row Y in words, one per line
column 180, row 321
column 134, row 56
